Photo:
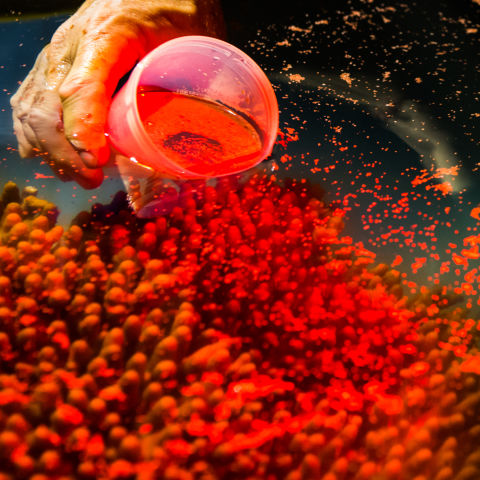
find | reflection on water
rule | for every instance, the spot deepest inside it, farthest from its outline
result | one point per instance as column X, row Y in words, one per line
column 266, row 327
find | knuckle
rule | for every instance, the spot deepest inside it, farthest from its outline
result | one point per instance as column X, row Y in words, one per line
column 45, row 50
column 70, row 87
column 82, row 85
column 37, row 118
column 76, row 81
column 14, row 100
column 58, row 37
column 45, row 54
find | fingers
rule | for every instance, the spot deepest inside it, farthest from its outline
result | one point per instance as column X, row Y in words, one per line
column 39, row 129
column 65, row 161
column 38, row 123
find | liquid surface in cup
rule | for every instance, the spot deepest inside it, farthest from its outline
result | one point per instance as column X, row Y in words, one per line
column 199, row 135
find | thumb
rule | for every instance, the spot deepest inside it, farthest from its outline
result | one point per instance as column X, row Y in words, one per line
column 85, row 108
column 86, row 96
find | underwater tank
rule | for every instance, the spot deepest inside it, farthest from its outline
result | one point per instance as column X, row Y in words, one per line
column 316, row 317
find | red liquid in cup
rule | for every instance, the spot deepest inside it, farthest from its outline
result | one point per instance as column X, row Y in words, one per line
column 199, row 135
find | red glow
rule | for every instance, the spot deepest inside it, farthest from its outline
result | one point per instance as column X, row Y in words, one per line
column 199, row 135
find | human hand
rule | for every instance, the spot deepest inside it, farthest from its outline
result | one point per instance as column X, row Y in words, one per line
column 60, row 109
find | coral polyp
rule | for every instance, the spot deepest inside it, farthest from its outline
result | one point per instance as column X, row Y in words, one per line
column 240, row 336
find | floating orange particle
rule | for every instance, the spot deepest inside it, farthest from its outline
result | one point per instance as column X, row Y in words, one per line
column 397, row 261
column 346, row 77
column 459, row 260
column 471, row 364
column 295, row 77
column 418, row 264
column 475, row 213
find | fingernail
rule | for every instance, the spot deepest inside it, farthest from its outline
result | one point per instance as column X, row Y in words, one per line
column 77, row 144
column 88, row 159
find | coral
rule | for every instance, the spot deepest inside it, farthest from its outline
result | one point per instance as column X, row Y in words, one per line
column 239, row 336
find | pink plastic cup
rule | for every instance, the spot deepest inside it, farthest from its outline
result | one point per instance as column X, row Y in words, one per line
column 202, row 67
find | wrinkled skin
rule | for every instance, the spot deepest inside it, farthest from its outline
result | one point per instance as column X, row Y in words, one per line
column 60, row 109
